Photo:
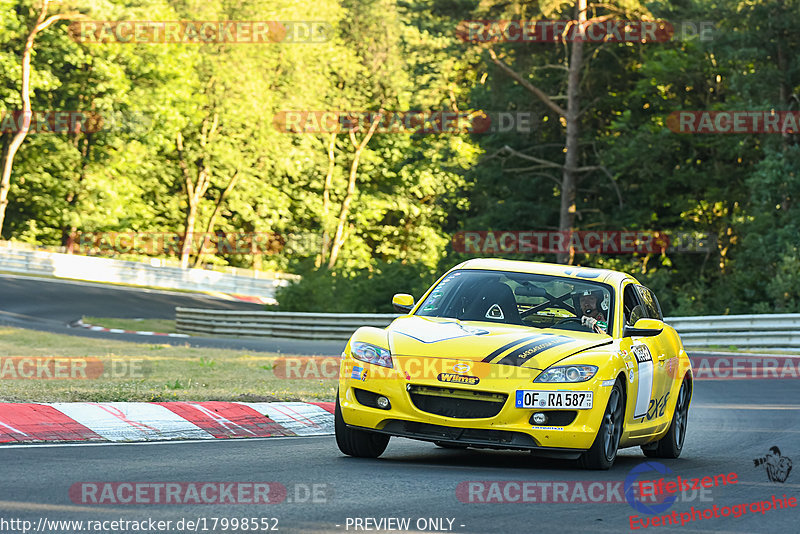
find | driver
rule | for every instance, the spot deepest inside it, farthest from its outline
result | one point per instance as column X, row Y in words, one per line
column 590, row 308
column 590, row 305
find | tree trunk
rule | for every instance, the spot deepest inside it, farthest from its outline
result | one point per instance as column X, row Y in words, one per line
column 326, row 200
column 188, row 235
column 16, row 142
column 566, row 215
column 194, row 193
column 212, row 220
column 339, row 238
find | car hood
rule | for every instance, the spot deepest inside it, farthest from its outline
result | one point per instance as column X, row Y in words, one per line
column 502, row 344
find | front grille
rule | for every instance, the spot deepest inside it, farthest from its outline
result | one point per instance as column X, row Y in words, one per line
column 457, row 403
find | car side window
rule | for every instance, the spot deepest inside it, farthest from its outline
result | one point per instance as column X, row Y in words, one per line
column 651, row 306
column 633, row 310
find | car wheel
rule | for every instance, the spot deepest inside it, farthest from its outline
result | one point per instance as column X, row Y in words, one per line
column 671, row 445
column 358, row 443
column 603, row 451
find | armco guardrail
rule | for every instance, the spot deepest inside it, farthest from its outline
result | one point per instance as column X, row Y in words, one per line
column 772, row 330
column 323, row 326
column 94, row 269
column 718, row 330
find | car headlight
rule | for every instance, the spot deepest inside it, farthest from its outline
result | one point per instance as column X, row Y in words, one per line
column 567, row 373
column 371, row 354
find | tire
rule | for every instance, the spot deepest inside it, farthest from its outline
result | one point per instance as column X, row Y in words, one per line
column 357, row 443
column 671, row 445
column 603, row 451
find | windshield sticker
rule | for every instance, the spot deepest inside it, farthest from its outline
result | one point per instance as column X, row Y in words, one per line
column 495, row 312
column 526, row 352
column 583, row 273
column 431, row 303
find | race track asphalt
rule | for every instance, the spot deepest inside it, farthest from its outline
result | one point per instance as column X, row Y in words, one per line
column 731, row 423
column 50, row 305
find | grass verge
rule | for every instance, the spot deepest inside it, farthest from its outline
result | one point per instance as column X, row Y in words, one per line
column 147, row 372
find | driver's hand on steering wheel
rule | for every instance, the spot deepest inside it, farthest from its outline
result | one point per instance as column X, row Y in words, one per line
column 594, row 324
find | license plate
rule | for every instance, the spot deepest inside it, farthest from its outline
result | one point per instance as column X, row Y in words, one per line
column 574, row 400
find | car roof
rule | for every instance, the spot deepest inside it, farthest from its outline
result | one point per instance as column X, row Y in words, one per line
column 615, row 278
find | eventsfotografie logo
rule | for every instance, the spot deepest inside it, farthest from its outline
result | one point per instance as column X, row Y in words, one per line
column 777, row 467
column 667, row 492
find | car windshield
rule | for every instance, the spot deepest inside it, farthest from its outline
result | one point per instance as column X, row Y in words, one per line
column 536, row 300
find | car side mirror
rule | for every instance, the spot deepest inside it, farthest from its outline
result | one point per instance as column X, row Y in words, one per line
column 403, row 302
column 644, row 328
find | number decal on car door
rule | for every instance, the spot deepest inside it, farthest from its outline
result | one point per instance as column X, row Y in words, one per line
column 644, row 388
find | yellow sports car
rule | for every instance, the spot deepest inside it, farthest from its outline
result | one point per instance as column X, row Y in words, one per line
column 563, row 361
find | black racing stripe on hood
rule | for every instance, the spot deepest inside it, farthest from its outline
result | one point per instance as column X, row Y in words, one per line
column 507, row 346
column 526, row 352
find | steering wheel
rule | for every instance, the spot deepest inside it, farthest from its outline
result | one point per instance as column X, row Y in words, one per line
column 569, row 319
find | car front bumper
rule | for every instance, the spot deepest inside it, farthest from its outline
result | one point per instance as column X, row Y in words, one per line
column 509, row 428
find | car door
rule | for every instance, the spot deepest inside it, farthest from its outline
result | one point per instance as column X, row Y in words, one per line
column 647, row 374
column 661, row 349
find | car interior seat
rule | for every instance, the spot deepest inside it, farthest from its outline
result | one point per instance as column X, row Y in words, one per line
column 495, row 302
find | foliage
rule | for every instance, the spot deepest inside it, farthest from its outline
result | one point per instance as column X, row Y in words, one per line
column 358, row 292
column 413, row 192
